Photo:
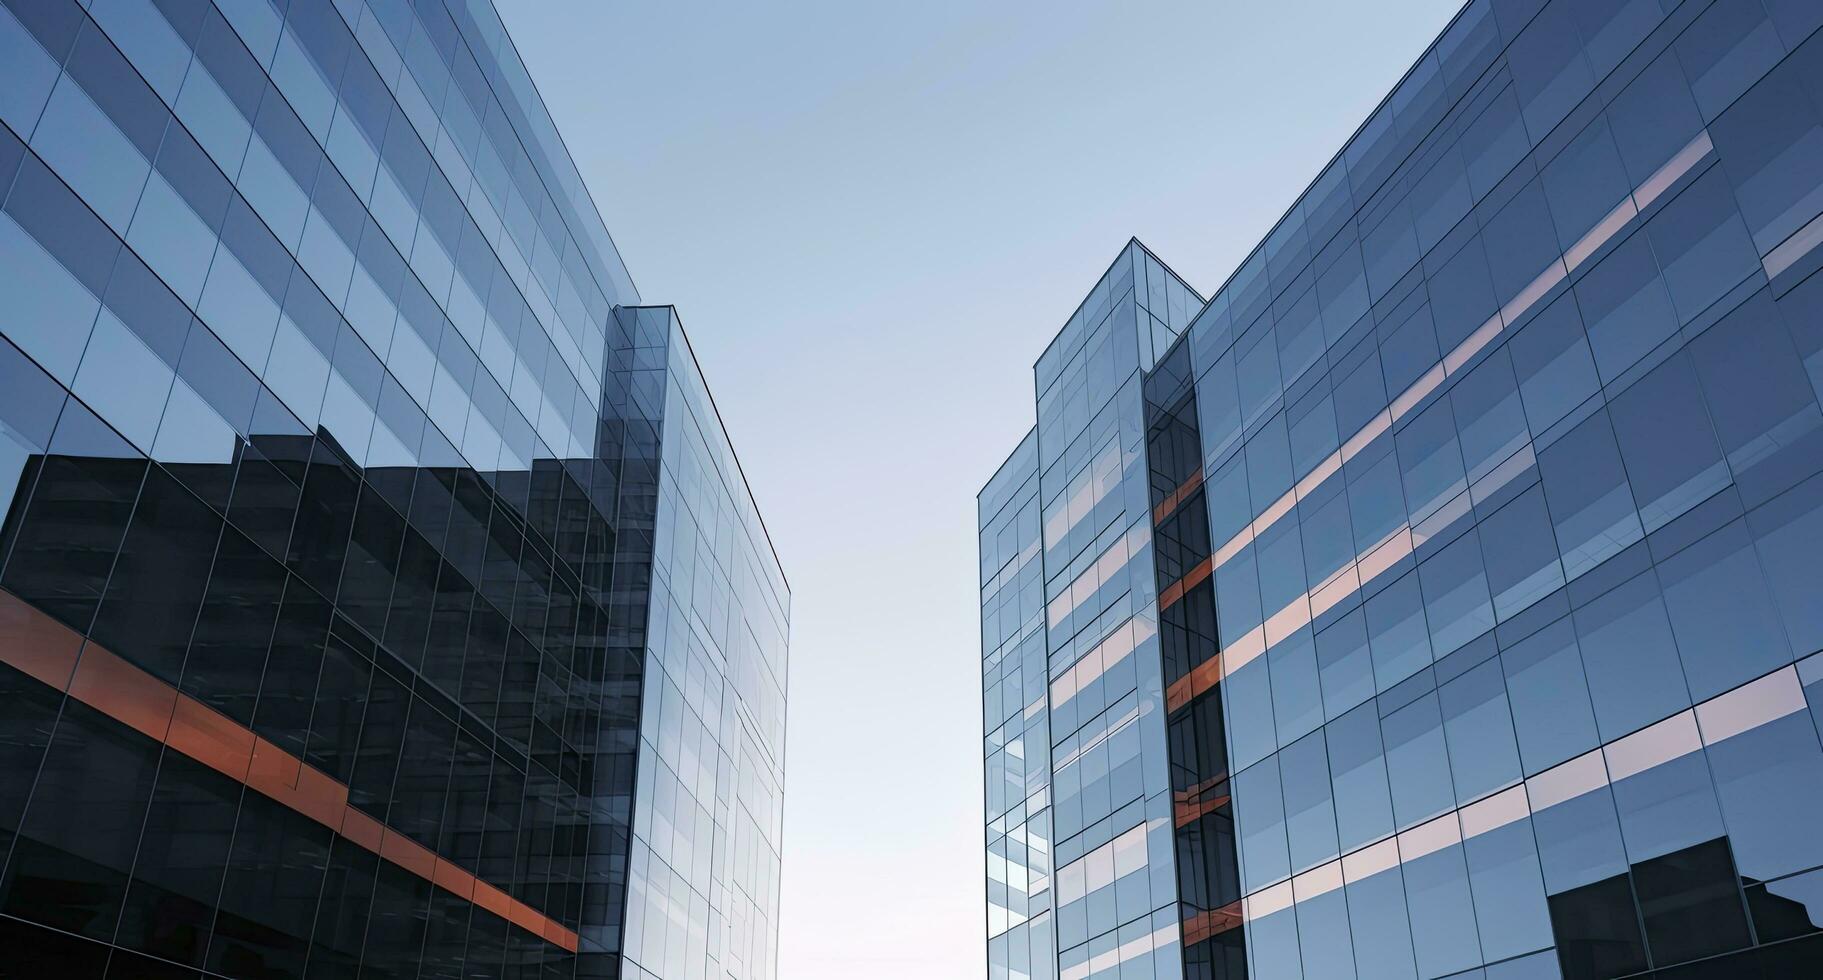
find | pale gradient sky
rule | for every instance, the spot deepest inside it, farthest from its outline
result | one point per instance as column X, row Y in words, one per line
column 872, row 217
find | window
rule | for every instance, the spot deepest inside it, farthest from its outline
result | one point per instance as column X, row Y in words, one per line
column 1396, row 632
column 1357, row 764
column 1417, row 763
column 1345, row 669
column 1667, row 443
column 1437, row 891
column 1521, row 553
column 1726, row 50
column 1521, row 242
column 1479, row 729
column 1430, row 461
column 1764, row 409
column 1489, row 416
column 1769, row 775
column 1725, row 623
column 1456, row 595
column 1259, row 815
column 1630, row 658
column 1653, row 118
column 1702, row 245
column 1552, row 360
column 1509, row 894
column 1591, row 504
column 1549, row 696
column 1585, row 182
column 1494, row 142
column 1549, row 71
column 1612, row 28
column 1310, row 813
column 1768, row 142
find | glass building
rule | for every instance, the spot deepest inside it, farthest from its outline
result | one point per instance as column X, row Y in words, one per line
column 380, row 595
column 1454, row 569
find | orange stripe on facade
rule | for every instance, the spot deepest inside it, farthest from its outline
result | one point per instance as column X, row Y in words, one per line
column 1214, row 922
column 1201, row 678
column 56, row 655
column 1191, row 580
column 1169, row 504
column 1188, row 811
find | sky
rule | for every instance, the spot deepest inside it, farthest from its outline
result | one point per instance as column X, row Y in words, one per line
column 872, row 217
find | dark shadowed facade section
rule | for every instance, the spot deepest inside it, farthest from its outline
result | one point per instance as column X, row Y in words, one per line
column 379, row 593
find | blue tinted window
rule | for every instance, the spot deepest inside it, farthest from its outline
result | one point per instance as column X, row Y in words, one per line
column 1769, row 142
column 1586, row 489
column 1259, row 816
column 1396, row 632
column 1702, row 245
column 1625, row 306
column 1724, row 621
column 1552, row 360
column 1611, row 28
column 1345, row 669
column 1310, row 813
column 1479, row 729
column 1667, row 443
column 1437, row 890
column 1668, row 807
column 1456, row 600
column 1417, row 763
column 1761, row 402
column 1726, row 50
column 1521, row 553
column 1357, row 764
column 1653, row 118
column 1296, row 703
column 1549, row 696
column 1549, row 71
column 1462, row 294
column 1630, row 658
column 1493, row 142
column 1382, row 926
column 1585, row 182
column 1521, row 241
column 1430, row 461
column 1509, row 890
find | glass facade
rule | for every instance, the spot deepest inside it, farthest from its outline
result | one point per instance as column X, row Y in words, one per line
column 1481, row 630
column 380, row 595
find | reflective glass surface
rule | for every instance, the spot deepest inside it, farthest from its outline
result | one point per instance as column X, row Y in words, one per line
column 379, row 593
column 1492, row 646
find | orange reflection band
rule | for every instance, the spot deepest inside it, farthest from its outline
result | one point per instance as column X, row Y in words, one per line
column 51, row 652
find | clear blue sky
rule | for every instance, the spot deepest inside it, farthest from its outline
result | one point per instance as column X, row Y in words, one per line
column 872, row 217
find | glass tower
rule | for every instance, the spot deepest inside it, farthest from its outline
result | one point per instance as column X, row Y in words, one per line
column 380, row 595
column 1457, row 574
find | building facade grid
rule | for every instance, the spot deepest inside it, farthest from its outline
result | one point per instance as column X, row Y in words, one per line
column 1485, row 501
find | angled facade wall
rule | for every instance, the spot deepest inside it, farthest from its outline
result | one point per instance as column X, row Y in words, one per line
column 379, row 594
column 1485, row 497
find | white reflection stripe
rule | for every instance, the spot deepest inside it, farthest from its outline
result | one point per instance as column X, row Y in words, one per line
column 1505, row 807
column 1680, row 164
column 1751, row 705
column 1410, row 397
column 1430, row 837
column 1322, row 879
column 1794, row 248
column 1670, row 739
column 1754, row 704
column 1599, row 235
column 1370, row 860
column 1483, row 335
column 1584, row 774
column 1272, row 898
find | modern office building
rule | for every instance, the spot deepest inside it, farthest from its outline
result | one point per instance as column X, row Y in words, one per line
column 380, row 595
column 1442, row 598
